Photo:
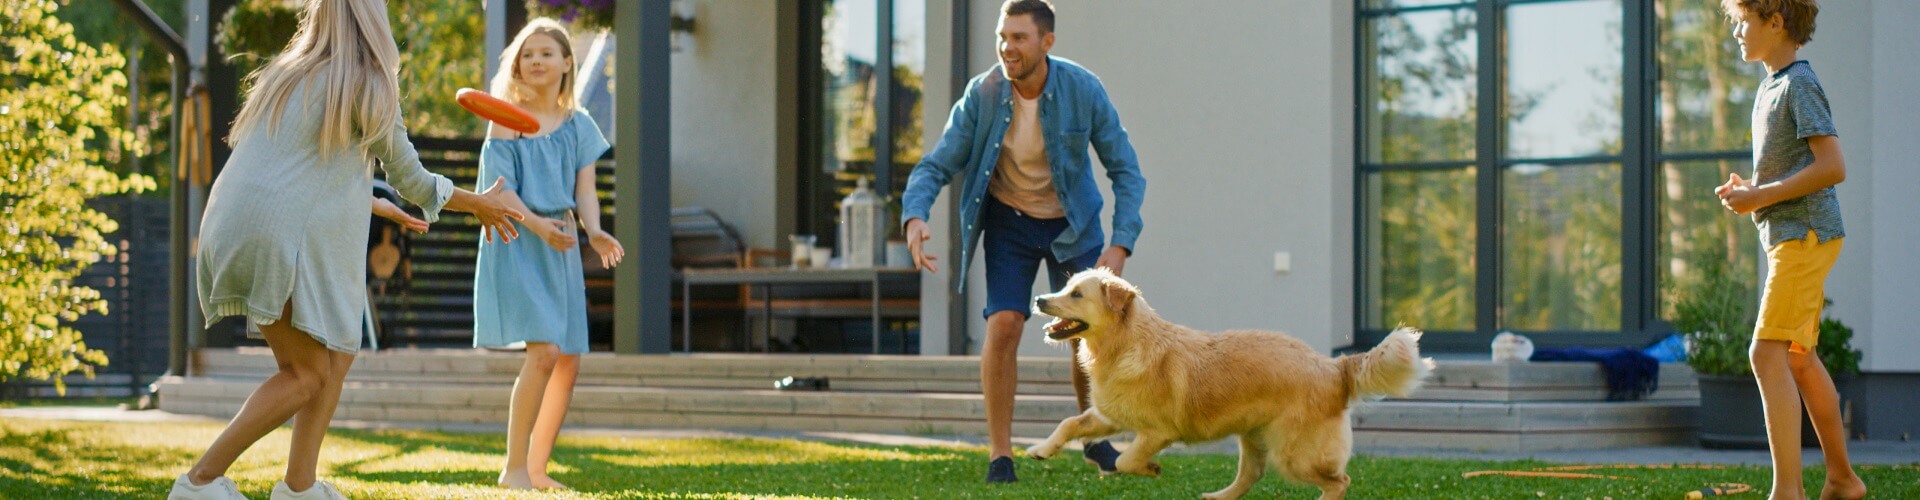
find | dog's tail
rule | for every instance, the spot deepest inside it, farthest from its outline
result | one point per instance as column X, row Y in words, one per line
column 1393, row 368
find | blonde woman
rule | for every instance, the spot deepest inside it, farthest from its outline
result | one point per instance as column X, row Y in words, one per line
column 284, row 239
column 529, row 293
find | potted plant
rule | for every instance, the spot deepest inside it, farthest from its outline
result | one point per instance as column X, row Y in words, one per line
column 1714, row 314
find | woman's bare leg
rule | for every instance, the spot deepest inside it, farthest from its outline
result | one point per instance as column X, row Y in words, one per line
column 305, row 366
column 310, row 425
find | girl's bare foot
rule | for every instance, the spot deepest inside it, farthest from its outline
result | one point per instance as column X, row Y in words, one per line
column 515, row 480
column 1848, row 487
column 544, row 482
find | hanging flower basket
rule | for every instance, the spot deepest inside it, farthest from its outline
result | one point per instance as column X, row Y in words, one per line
column 588, row 14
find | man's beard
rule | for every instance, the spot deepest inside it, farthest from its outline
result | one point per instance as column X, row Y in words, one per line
column 1007, row 71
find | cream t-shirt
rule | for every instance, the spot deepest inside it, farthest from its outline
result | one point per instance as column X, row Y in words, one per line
column 1022, row 179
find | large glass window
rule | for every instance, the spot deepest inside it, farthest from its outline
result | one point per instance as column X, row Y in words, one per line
column 856, row 114
column 1418, row 234
column 1704, row 98
column 1421, row 237
column 1558, row 192
column 1422, row 95
column 1560, row 248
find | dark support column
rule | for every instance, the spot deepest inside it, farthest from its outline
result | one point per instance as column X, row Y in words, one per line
column 1487, row 156
column 516, row 17
column 222, row 108
column 1639, row 218
column 642, row 199
column 957, row 332
column 178, row 314
column 882, row 114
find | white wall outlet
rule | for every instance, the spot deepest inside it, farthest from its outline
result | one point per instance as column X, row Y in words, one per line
column 1282, row 262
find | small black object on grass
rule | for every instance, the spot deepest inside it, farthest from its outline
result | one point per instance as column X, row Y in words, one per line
column 801, row 384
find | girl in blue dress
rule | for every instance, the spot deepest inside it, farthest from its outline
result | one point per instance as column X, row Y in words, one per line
column 530, row 291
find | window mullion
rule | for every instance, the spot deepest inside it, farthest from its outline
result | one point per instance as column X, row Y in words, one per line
column 1489, row 101
column 1638, row 216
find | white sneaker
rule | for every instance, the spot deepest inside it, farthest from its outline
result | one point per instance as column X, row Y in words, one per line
column 220, row 489
column 319, row 491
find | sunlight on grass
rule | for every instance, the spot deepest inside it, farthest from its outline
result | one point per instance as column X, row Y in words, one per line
column 45, row 459
column 702, row 452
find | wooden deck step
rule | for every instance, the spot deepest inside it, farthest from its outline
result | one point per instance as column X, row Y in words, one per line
column 1466, row 406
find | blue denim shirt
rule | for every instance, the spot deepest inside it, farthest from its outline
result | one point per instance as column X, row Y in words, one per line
column 1074, row 113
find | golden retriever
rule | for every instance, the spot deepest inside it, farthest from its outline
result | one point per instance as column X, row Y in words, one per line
column 1166, row 383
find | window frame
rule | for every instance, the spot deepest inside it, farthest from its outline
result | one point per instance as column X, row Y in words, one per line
column 1640, row 160
column 813, row 189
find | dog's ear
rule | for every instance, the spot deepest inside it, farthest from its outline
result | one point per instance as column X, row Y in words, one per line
column 1119, row 295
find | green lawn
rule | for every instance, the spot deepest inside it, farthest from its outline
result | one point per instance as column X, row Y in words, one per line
column 42, row 459
column 87, row 402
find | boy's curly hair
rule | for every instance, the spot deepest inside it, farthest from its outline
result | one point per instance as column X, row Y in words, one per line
column 1797, row 15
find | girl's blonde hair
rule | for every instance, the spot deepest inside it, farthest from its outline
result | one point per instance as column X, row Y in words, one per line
column 348, row 46
column 507, row 84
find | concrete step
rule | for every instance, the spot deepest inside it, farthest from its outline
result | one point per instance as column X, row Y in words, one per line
column 907, row 413
column 1528, row 417
column 1467, row 405
column 958, row 374
column 1455, row 380
column 1452, row 380
column 1379, row 440
column 910, row 405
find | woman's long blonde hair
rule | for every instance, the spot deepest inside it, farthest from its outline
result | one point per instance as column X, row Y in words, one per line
column 349, row 46
column 507, row 84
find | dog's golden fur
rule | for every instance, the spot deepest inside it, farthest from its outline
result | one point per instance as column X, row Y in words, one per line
column 1168, row 383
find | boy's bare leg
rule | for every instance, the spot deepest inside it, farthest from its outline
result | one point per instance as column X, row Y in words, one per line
column 1782, row 402
column 999, row 376
column 1823, row 406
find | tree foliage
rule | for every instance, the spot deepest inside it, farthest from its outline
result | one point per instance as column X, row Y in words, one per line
column 442, row 48
column 58, row 98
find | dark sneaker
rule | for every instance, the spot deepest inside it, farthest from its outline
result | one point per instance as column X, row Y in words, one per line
column 1001, row 471
column 1102, row 455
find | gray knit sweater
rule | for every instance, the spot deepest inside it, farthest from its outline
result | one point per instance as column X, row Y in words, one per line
column 284, row 226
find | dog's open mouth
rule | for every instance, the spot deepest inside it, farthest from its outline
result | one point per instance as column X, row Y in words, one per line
column 1063, row 328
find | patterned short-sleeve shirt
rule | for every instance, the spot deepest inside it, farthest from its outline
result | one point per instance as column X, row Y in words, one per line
column 1789, row 108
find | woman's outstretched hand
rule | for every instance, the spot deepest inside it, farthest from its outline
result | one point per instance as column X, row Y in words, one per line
column 491, row 207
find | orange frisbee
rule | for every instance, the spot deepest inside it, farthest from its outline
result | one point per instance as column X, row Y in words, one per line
column 497, row 110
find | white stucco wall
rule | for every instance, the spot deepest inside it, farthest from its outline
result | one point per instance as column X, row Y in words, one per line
column 1863, row 54
column 725, row 119
column 1240, row 115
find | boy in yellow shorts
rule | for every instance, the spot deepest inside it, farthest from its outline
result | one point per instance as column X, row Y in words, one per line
column 1796, row 163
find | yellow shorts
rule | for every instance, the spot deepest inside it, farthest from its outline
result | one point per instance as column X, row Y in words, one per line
column 1795, row 291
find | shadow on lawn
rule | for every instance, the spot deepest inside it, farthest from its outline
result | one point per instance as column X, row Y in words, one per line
column 774, row 467
column 61, row 463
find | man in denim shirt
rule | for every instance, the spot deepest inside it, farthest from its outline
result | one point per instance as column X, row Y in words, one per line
column 1015, row 146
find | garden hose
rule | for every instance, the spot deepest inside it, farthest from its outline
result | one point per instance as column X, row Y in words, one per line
column 1567, row 472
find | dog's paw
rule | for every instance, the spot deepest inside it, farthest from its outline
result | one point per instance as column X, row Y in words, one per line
column 1226, row 494
column 1042, row 452
column 1150, row 469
